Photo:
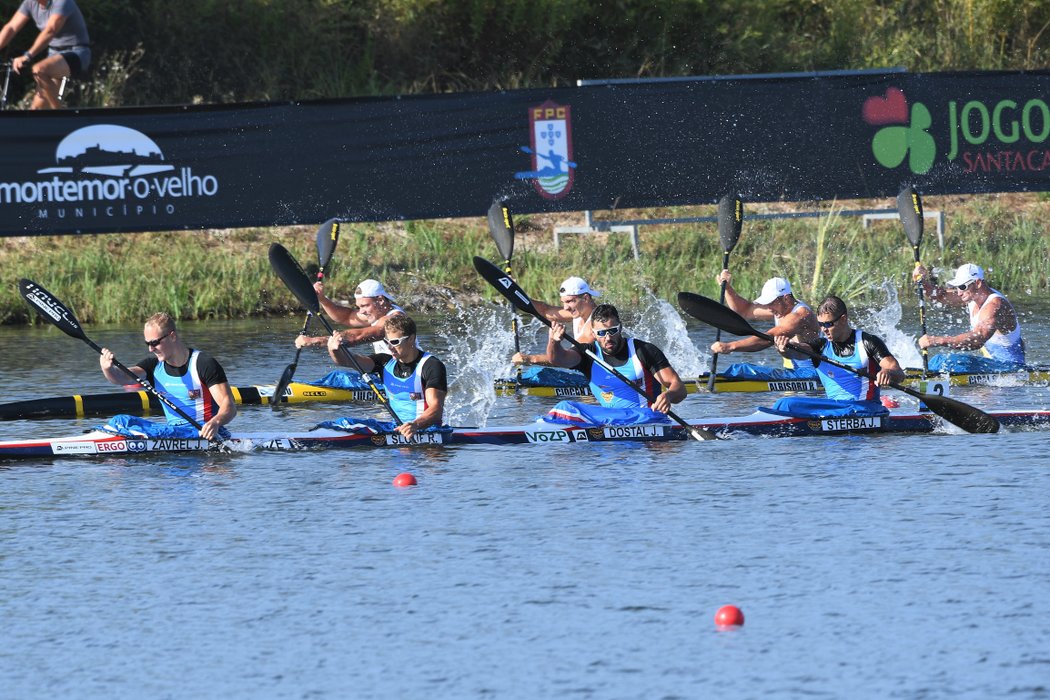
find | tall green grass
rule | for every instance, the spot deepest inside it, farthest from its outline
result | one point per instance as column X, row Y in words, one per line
column 428, row 264
column 242, row 50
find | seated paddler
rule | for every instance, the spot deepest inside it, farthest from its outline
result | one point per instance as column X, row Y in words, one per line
column 193, row 380
column 415, row 381
column 642, row 362
column 847, row 393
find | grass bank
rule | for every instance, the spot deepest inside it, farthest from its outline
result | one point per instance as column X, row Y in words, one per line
column 427, row 264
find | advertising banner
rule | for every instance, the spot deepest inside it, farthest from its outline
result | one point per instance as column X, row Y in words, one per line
column 597, row 147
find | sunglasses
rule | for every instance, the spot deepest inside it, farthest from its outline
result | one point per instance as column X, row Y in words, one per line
column 829, row 324
column 964, row 287
column 602, row 332
column 154, row 343
column 394, row 342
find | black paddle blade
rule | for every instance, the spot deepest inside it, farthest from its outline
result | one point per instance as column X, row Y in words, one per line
column 967, row 417
column 327, row 237
column 283, row 383
column 50, row 308
column 712, row 313
column 909, row 207
column 503, row 284
column 730, row 220
column 501, row 226
column 291, row 273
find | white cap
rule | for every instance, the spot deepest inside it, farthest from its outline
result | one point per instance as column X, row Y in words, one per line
column 773, row 289
column 371, row 288
column 965, row 274
column 574, row 286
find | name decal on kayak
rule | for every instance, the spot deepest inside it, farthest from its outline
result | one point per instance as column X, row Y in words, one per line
column 796, row 385
column 177, row 444
column 417, row 439
column 851, row 423
column 633, row 431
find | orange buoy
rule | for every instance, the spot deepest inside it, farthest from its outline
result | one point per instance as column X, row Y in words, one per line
column 404, row 479
column 729, row 616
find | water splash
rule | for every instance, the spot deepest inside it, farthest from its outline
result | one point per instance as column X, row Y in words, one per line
column 480, row 343
column 883, row 322
column 662, row 325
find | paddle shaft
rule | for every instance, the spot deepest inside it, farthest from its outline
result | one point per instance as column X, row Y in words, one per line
column 922, row 313
column 718, row 333
column 514, row 322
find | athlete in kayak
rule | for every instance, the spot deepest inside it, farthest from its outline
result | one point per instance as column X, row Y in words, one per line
column 365, row 322
column 415, row 381
column 847, row 393
column 994, row 327
column 192, row 379
column 636, row 359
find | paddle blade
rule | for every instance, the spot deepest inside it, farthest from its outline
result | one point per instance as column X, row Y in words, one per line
column 712, row 313
column 503, row 284
column 50, row 308
column 730, row 220
column 327, row 237
column 293, row 276
column 282, row 384
column 501, row 226
column 967, row 417
column 909, row 207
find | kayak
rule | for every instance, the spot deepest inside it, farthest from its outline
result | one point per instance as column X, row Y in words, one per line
column 561, row 384
column 760, row 423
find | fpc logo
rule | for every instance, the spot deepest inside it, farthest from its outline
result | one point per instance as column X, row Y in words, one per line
column 553, row 170
column 902, row 134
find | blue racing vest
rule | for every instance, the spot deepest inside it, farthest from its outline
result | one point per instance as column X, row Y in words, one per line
column 187, row 392
column 406, row 394
column 846, row 386
column 611, row 391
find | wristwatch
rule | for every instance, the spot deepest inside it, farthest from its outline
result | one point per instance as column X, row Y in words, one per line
column 28, row 55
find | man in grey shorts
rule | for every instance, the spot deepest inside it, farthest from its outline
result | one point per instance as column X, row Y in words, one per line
column 63, row 35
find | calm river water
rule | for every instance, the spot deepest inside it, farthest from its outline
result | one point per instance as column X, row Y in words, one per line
column 888, row 567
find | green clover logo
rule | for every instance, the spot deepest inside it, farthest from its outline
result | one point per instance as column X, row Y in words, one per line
column 892, row 143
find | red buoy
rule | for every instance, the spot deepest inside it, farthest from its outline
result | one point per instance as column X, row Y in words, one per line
column 404, row 479
column 889, row 402
column 729, row 616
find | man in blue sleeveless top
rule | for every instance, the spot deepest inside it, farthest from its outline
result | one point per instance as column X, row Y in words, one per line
column 192, row 379
column 994, row 327
column 415, row 381
column 636, row 359
column 849, row 393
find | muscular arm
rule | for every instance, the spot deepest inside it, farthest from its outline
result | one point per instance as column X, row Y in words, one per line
column 339, row 354
column 674, row 389
column 556, row 354
column 227, row 410
column 554, row 314
column 15, row 25
column 994, row 316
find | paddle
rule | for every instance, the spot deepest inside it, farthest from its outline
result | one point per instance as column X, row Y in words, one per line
column 293, row 276
column 730, row 219
column 909, row 206
column 501, row 226
column 327, row 237
column 55, row 312
column 970, row 419
column 510, row 289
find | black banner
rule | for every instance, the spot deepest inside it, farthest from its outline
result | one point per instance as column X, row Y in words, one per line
column 568, row 149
